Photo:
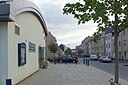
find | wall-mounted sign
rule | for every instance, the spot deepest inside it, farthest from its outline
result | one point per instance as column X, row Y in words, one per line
column 32, row 47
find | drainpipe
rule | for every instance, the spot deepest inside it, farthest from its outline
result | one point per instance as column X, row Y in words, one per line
column 121, row 46
column 44, row 49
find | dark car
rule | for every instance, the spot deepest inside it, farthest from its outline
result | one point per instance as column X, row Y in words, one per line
column 67, row 58
column 61, row 59
column 105, row 59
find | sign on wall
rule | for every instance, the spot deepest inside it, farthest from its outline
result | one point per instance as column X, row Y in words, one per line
column 32, row 47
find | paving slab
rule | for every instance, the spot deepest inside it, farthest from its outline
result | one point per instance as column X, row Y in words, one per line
column 70, row 74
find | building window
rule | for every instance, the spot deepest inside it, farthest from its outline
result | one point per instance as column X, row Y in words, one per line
column 125, row 55
column 119, row 55
column 17, row 30
column 124, row 42
column 109, row 45
column 119, row 43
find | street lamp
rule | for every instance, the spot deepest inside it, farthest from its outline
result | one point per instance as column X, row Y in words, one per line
column 68, row 48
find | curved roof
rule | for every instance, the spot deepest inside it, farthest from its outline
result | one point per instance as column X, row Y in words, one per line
column 19, row 6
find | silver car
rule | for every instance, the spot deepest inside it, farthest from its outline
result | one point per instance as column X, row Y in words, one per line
column 93, row 57
column 105, row 59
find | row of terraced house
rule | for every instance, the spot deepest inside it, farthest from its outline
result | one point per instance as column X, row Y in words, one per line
column 105, row 45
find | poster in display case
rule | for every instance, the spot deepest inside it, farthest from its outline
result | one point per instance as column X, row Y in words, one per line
column 21, row 54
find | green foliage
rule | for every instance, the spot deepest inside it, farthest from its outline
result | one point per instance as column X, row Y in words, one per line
column 80, row 51
column 107, row 13
column 96, row 37
column 68, row 51
column 100, row 11
column 53, row 47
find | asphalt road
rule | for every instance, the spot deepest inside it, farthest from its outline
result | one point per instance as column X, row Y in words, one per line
column 110, row 68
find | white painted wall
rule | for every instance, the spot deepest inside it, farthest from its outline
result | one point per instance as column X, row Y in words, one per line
column 107, row 41
column 3, row 53
column 31, row 31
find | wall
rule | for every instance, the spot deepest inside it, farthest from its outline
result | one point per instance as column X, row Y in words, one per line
column 30, row 31
column 3, row 52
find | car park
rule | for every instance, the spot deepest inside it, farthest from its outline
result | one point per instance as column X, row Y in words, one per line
column 105, row 59
column 93, row 58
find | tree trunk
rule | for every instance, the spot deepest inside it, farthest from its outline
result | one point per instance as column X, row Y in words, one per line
column 116, row 34
column 116, row 57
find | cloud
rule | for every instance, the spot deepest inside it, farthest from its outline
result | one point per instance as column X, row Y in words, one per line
column 64, row 28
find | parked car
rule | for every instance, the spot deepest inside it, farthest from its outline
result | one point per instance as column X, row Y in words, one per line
column 105, row 59
column 61, row 58
column 67, row 58
column 93, row 57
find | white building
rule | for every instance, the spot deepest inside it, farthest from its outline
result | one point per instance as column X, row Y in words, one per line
column 109, row 42
column 22, row 33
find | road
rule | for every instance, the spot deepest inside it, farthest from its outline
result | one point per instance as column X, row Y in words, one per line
column 109, row 68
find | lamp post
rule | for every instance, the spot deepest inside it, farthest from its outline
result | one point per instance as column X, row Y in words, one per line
column 68, row 48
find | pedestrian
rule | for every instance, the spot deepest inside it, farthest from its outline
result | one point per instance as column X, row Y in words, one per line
column 65, row 60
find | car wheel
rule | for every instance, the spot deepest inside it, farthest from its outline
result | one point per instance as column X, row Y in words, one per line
column 60, row 61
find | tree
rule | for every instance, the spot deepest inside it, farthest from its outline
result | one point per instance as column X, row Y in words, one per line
column 80, row 51
column 53, row 47
column 68, row 51
column 101, row 12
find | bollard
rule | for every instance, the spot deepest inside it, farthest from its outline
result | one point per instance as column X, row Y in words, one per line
column 54, row 62
column 87, row 62
column 76, row 62
column 84, row 61
column 65, row 62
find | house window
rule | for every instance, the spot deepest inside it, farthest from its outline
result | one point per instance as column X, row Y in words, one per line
column 17, row 30
column 125, row 55
column 119, row 55
column 124, row 42
column 109, row 45
column 119, row 43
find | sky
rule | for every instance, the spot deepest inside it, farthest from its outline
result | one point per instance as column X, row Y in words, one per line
column 64, row 27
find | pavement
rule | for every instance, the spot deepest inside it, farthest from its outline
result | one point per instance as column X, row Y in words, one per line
column 70, row 74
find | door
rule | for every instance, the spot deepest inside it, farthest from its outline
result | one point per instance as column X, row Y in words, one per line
column 40, row 56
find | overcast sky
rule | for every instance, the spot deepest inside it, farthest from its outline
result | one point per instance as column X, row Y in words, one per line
column 64, row 27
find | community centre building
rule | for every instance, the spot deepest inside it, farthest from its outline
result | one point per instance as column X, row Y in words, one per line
column 22, row 38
